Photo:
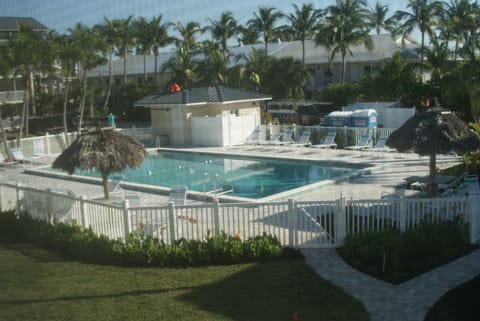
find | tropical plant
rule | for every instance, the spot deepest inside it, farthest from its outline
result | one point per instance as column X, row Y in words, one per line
column 424, row 15
column 248, row 35
column 346, row 25
column 223, row 29
column 303, row 23
column 264, row 21
column 126, row 39
column 188, row 33
column 378, row 18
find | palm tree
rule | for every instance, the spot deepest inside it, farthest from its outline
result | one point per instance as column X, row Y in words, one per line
column 107, row 32
column 126, row 39
column 249, row 35
column 423, row 15
column 223, row 29
column 346, row 25
column 150, row 36
column 181, row 67
column 378, row 18
column 214, row 68
column 188, row 33
column 88, row 47
column 264, row 22
column 303, row 23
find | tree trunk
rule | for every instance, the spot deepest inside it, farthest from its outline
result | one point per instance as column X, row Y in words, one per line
column 105, row 186
column 433, row 173
column 144, row 68
column 82, row 102
column 110, row 81
column 22, row 119
column 65, row 125
column 155, row 72
column 344, row 67
column 32, row 95
column 4, row 136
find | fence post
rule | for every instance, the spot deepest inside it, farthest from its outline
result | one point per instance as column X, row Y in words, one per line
column 171, row 219
column 474, row 207
column 47, row 144
column 126, row 218
column 216, row 217
column 83, row 215
column 291, row 224
column 403, row 213
column 1, row 207
column 50, row 215
column 340, row 221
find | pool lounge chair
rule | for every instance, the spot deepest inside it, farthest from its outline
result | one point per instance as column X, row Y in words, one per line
column 328, row 142
column 4, row 161
column 18, row 156
column 304, row 139
column 380, row 146
column 363, row 143
column 254, row 138
column 285, row 137
column 178, row 195
column 274, row 139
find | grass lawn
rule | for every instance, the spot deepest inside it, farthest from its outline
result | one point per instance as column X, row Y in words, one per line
column 37, row 284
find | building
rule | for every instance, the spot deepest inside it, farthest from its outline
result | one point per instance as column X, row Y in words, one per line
column 11, row 90
column 359, row 63
column 205, row 116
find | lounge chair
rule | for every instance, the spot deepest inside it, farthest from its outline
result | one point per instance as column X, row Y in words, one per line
column 4, row 161
column 363, row 142
column 328, row 141
column 178, row 195
column 18, row 156
column 255, row 137
column 380, row 146
column 285, row 137
column 304, row 139
column 274, row 139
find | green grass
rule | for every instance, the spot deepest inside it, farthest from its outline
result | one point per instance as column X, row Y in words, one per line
column 37, row 284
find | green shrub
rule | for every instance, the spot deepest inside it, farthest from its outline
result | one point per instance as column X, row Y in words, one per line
column 137, row 249
column 397, row 256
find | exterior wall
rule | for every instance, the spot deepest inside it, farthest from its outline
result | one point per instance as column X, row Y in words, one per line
column 205, row 125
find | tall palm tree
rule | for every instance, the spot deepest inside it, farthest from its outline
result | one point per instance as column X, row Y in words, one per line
column 378, row 18
column 107, row 31
column 214, row 68
column 264, row 21
column 223, row 29
column 188, row 34
column 151, row 35
column 126, row 38
column 423, row 15
column 303, row 23
column 346, row 25
column 88, row 47
column 248, row 35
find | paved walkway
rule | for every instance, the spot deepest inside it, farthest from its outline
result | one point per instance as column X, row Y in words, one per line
column 408, row 301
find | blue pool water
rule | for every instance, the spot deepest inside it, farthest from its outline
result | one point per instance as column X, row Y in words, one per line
column 243, row 176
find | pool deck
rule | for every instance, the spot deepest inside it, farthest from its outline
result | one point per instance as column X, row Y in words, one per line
column 387, row 170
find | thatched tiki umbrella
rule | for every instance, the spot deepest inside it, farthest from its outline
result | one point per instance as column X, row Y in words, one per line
column 107, row 151
column 434, row 132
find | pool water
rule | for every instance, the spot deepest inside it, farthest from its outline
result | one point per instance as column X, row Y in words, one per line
column 237, row 176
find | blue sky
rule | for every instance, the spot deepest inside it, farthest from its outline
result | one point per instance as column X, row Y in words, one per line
column 62, row 14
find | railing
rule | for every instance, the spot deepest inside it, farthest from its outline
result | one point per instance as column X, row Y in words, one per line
column 298, row 224
column 11, row 97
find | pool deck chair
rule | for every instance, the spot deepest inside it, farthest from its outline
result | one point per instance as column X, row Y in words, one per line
column 4, row 161
column 255, row 137
column 328, row 142
column 285, row 138
column 380, row 146
column 178, row 195
column 18, row 156
column 362, row 143
column 274, row 139
column 304, row 139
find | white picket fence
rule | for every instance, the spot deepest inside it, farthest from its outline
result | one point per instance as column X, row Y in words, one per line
column 298, row 224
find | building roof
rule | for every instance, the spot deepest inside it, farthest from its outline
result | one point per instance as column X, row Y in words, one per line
column 12, row 23
column 384, row 47
column 201, row 96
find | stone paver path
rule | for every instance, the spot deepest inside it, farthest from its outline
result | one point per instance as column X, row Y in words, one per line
column 408, row 301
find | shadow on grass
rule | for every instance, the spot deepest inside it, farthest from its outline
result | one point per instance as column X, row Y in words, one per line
column 36, row 253
column 459, row 304
column 275, row 291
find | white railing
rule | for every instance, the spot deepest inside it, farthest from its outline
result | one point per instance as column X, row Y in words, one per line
column 11, row 97
column 298, row 224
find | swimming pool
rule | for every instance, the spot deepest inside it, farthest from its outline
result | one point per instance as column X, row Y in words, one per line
column 237, row 176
